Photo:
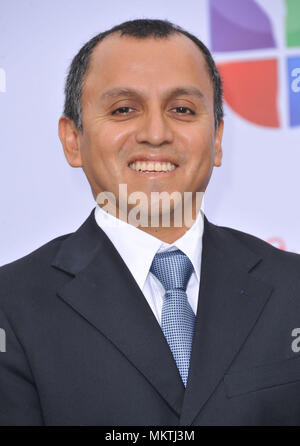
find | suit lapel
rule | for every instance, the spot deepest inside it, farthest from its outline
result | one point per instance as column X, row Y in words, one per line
column 105, row 293
column 230, row 302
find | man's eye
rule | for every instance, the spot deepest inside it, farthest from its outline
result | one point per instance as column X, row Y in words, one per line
column 182, row 110
column 122, row 110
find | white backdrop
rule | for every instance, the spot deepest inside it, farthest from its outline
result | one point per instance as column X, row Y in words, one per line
column 255, row 190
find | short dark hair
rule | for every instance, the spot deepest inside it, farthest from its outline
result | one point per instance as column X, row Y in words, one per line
column 140, row 29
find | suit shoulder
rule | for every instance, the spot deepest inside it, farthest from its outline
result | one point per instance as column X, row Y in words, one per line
column 259, row 246
column 35, row 260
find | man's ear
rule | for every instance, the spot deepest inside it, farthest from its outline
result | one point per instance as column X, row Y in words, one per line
column 218, row 144
column 69, row 137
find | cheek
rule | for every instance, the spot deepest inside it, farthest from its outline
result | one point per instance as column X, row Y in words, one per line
column 109, row 142
column 199, row 146
column 200, row 155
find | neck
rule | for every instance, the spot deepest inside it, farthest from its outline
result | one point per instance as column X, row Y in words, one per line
column 167, row 235
column 169, row 230
column 166, row 230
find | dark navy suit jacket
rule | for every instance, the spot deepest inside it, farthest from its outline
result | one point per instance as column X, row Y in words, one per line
column 84, row 348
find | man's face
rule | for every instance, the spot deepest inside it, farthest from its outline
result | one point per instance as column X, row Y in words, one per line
column 152, row 119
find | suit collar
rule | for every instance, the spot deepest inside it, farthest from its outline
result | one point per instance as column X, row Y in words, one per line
column 79, row 248
column 224, row 317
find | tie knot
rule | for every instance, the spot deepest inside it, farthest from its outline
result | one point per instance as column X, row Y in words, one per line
column 173, row 269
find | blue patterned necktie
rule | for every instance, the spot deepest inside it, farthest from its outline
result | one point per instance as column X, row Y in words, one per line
column 173, row 269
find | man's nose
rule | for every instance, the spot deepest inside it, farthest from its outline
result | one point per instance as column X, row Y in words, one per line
column 154, row 128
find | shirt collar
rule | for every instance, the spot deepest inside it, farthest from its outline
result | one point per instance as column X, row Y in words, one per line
column 138, row 248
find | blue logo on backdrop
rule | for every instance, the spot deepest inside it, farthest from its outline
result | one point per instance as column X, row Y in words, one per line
column 294, row 90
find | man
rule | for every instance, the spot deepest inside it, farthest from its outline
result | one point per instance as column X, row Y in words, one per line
column 149, row 324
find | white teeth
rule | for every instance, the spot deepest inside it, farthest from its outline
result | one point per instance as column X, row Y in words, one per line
column 152, row 166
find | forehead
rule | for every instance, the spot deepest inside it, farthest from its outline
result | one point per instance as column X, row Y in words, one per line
column 148, row 63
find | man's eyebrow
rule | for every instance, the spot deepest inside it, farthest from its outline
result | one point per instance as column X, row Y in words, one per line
column 170, row 94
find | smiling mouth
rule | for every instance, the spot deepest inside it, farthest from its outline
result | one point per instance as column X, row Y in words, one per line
column 153, row 166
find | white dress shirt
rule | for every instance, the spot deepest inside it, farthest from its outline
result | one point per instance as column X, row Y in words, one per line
column 138, row 248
